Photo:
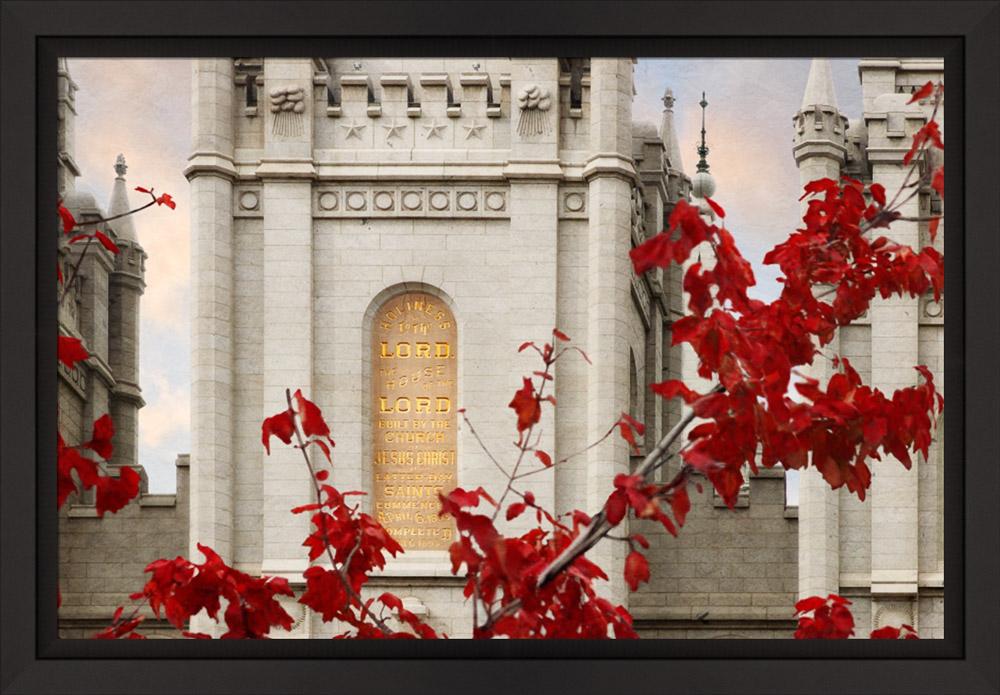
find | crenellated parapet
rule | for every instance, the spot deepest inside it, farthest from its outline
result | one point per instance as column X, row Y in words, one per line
column 393, row 106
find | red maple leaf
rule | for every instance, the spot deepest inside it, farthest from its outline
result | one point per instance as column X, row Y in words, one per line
column 68, row 221
column 281, row 426
column 113, row 493
column 636, row 569
column 525, row 404
column 165, row 199
column 71, row 351
column 106, row 242
column 100, row 440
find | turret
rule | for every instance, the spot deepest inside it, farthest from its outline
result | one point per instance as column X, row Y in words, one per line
column 679, row 185
column 126, row 285
column 820, row 147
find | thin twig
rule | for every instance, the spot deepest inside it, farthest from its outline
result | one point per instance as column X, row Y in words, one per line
column 68, row 282
column 482, row 444
column 326, row 539
column 599, row 526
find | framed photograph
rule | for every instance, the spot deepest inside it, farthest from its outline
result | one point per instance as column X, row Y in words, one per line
column 477, row 346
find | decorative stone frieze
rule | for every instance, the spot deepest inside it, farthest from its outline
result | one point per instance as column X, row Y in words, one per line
column 410, row 201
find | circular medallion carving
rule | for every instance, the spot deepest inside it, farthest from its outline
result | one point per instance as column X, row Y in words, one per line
column 439, row 200
column 249, row 200
column 932, row 309
column 466, row 200
column 356, row 200
column 412, row 200
column 495, row 201
column 328, row 201
column 383, row 200
column 574, row 202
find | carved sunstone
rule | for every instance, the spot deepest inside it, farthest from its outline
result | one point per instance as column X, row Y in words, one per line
column 414, row 427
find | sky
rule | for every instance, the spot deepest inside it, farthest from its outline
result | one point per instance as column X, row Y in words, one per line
column 142, row 108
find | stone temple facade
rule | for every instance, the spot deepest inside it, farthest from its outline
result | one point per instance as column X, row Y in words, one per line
column 349, row 215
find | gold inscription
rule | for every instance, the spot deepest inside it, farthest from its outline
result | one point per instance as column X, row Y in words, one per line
column 414, row 388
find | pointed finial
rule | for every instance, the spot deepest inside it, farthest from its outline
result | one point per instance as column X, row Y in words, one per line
column 819, row 85
column 703, row 148
column 120, row 166
column 668, row 99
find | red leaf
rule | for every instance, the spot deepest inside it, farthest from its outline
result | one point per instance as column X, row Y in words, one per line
column 107, row 243
column 878, row 193
column 937, row 181
column 281, row 426
column 809, row 604
column 680, row 504
column 560, row 335
column 922, row 93
column 313, row 424
column 628, row 427
column 143, row 190
column 932, row 228
column 657, row 251
column 716, row 207
column 616, row 507
column 525, row 404
column 322, row 445
column 71, row 351
column 544, row 458
column 636, row 569
column 887, row 632
column 673, row 388
column 100, row 441
column 524, row 346
column 68, row 221
column 114, row 493
column 515, row 510
column 165, row 199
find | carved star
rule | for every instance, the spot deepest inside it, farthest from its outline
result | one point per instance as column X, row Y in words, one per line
column 472, row 130
column 394, row 129
column 434, row 130
column 353, row 129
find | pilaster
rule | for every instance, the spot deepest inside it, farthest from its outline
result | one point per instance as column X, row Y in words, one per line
column 212, row 469
column 895, row 351
column 610, row 173
column 288, row 306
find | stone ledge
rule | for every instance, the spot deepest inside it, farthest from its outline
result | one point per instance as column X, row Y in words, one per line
column 210, row 163
column 158, row 500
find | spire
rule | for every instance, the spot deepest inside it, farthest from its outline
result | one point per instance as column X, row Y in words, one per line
column 124, row 227
column 819, row 86
column 703, row 148
column 703, row 183
column 668, row 133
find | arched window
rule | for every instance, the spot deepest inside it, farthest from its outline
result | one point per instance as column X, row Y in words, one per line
column 414, row 378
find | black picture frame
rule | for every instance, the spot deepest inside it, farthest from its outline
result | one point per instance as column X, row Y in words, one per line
column 967, row 34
